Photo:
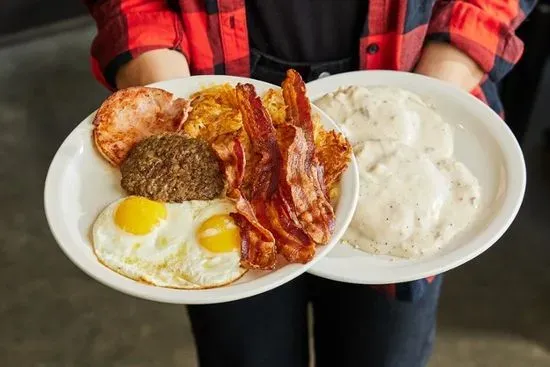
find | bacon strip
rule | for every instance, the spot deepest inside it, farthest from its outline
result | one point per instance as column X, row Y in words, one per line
column 258, row 249
column 292, row 242
column 278, row 187
column 230, row 151
column 303, row 181
column 263, row 179
column 301, row 185
column 262, row 175
column 298, row 107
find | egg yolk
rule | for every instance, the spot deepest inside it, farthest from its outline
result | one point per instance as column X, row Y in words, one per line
column 138, row 215
column 219, row 234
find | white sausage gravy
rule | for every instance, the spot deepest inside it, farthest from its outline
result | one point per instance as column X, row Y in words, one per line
column 413, row 197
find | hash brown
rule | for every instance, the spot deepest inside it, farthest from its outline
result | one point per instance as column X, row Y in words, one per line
column 215, row 112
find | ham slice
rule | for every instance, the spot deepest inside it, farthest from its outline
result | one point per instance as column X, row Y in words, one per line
column 133, row 114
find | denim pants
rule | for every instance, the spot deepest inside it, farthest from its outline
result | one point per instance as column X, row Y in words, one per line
column 353, row 325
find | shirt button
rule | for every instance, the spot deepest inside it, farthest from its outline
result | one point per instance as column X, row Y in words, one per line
column 323, row 74
column 373, row 48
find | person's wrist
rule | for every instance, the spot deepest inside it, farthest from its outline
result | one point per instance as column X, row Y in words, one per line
column 152, row 66
column 445, row 62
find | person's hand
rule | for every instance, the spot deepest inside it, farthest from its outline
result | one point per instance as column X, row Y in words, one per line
column 152, row 66
column 446, row 62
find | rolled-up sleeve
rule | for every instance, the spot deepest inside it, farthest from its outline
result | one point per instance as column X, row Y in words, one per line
column 483, row 29
column 128, row 28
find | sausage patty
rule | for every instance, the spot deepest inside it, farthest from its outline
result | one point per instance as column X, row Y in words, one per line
column 172, row 168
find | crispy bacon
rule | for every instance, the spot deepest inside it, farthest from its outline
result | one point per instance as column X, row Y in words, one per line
column 301, row 185
column 230, row 151
column 263, row 179
column 278, row 186
column 303, row 181
column 262, row 175
column 298, row 107
column 292, row 241
column 258, row 249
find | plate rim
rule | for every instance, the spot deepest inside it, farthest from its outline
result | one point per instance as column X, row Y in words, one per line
column 161, row 294
column 514, row 165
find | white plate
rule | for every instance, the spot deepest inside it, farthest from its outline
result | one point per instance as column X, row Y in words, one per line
column 482, row 141
column 80, row 184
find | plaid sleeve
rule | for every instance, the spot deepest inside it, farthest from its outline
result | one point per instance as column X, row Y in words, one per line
column 128, row 28
column 484, row 29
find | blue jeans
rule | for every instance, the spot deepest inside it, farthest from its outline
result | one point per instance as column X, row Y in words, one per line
column 354, row 325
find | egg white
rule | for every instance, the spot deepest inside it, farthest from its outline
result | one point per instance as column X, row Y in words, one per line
column 170, row 255
column 202, row 266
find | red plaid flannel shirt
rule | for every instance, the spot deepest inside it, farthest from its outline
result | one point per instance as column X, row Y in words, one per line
column 213, row 36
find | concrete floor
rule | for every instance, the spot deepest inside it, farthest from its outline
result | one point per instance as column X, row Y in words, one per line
column 495, row 311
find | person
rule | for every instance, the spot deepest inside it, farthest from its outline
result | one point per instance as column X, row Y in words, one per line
column 469, row 43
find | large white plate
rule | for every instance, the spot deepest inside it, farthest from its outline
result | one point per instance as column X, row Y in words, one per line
column 80, row 184
column 482, row 141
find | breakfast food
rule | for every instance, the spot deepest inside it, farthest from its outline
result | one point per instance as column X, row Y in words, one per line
column 215, row 111
column 296, row 215
column 334, row 157
column 219, row 115
column 274, row 103
column 414, row 197
column 297, row 144
column 189, row 245
column 172, row 168
column 130, row 115
column 217, row 185
column 333, row 150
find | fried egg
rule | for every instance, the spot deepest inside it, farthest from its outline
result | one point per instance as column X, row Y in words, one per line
column 194, row 244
